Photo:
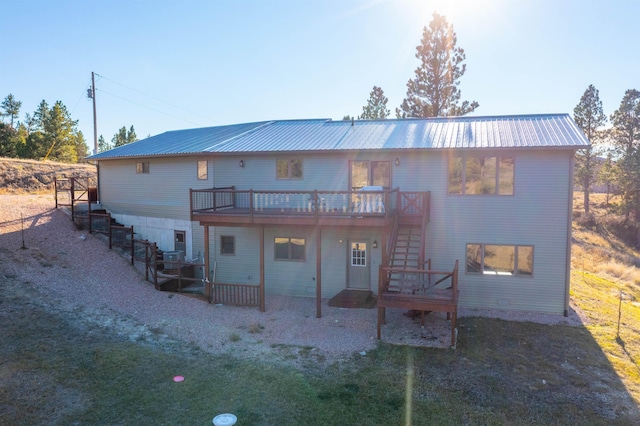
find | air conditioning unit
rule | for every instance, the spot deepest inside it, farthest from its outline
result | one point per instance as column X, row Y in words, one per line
column 174, row 257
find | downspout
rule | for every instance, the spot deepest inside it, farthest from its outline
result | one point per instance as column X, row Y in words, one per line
column 98, row 182
column 567, row 295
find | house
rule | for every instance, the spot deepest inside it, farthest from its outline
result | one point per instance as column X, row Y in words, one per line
column 313, row 207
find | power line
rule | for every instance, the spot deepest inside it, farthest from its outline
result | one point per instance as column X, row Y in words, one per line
column 149, row 108
column 155, row 98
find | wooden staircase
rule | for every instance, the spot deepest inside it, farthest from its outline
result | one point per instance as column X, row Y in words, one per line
column 407, row 281
column 405, row 251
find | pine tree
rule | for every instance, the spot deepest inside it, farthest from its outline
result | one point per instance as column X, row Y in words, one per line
column 626, row 122
column 589, row 117
column 11, row 108
column 8, row 141
column 434, row 91
column 376, row 107
column 124, row 137
column 103, row 145
column 625, row 135
column 60, row 133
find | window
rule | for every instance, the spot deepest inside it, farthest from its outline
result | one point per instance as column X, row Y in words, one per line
column 142, row 167
column 494, row 259
column 202, row 169
column 289, row 249
column 179, row 241
column 358, row 254
column 475, row 175
column 289, row 168
column 370, row 173
column 227, row 245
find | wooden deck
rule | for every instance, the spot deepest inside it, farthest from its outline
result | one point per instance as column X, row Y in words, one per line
column 419, row 290
column 227, row 206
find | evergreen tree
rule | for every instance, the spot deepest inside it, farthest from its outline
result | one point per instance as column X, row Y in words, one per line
column 82, row 150
column 607, row 174
column 376, row 107
column 29, row 123
column 103, row 145
column 11, row 108
column 434, row 90
column 626, row 122
column 589, row 117
column 9, row 141
column 131, row 136
column 40, row 115
column 60, row 133
column 124, row 137
column 625, row 135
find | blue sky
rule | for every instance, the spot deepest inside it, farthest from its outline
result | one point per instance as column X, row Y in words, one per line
column 174, row 65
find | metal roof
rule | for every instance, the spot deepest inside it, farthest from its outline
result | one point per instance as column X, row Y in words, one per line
column 513, row 131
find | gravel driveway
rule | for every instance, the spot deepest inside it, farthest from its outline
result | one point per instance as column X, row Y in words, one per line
column 71, row 271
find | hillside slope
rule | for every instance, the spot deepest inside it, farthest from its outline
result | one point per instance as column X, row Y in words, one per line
column 30, row 176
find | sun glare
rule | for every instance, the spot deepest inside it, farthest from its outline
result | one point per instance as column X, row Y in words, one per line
column 457, row 12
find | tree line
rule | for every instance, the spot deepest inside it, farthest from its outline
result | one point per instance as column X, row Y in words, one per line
column 49, row 133
column 613, row 158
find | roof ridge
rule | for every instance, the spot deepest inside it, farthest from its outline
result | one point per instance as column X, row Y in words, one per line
column 253, row 129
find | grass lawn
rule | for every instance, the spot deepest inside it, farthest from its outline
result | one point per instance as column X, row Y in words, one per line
column 57, row 371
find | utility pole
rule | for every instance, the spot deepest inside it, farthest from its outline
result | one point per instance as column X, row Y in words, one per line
column 91, row 93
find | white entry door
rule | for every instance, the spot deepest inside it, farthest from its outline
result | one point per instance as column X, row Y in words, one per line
column 359, row 271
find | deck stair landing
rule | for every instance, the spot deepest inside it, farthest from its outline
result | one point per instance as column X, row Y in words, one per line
column 349, row 298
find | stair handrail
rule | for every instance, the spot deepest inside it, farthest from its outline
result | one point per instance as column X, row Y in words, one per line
column 426, row 201
column 454, row 282
column 392, row 240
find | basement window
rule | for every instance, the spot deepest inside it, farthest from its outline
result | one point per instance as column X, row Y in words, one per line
column 142, row 167
column 495, row 259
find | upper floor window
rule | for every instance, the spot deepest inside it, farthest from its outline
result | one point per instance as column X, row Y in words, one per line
column 289, row 168
column 370, row 173
column 142, row 167
column 203, row 171
column 476, row 175
column 494, row 259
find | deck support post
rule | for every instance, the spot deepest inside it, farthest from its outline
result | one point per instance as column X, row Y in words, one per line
column 207, row 288
column 262, row 292
column 319, row 272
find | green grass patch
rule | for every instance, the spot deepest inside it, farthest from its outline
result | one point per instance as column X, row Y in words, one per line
column 56, row 371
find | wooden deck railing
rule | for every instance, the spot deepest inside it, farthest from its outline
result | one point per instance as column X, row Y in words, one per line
column 236, row 294
column 229, row 201
column 419, row 290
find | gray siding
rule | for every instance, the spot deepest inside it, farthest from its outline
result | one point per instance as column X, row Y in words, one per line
column 535, row 215
column 163, row 192
column 295, row 278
